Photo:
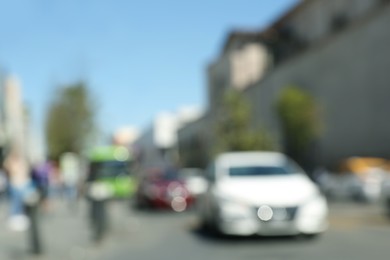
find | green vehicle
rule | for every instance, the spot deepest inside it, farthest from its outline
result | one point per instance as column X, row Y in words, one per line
column 110, row 173
column 110, row 177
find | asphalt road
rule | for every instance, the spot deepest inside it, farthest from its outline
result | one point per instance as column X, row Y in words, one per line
column 356, row 232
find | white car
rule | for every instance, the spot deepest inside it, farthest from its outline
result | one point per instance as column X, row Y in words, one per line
column 261, row 193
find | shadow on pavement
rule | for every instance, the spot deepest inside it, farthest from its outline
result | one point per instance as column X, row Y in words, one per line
column 210, row 236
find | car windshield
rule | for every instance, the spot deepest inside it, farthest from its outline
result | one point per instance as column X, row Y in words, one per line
column 108, row 169
column 170, row 175
column 163, row 175
column 287, row 169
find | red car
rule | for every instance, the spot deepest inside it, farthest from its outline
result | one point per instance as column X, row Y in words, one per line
column 163, row 189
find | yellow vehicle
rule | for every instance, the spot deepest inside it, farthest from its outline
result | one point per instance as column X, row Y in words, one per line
column 361, row 166
column 368, row 174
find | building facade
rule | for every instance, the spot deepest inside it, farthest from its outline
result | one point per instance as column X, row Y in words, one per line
column 336, row 50
column 3, row 139
column 157, row 146
column 15, row 138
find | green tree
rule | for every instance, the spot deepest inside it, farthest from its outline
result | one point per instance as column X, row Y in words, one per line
column 70, row 120
column 300, row 119
column 234, row 128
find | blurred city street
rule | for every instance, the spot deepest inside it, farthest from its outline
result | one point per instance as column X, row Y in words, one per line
column 357, row 231
column 195, row 130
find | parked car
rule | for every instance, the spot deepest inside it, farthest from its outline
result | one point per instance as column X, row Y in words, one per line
column 163, row 189
column 262, row 193
column 366, row 176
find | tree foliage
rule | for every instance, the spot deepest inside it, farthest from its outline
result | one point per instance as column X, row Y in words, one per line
column 70, row 120
column 234, row 129
column 300, row 120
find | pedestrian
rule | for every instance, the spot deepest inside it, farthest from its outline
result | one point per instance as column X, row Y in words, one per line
column 22, row 190
column 40, row 176
column 55, row 181
column 70, row 172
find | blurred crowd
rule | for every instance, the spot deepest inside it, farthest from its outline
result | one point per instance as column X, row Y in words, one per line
column 24, row 184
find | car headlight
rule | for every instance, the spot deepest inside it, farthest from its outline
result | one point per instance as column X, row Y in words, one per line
column 315, row 206
column 176, row 190
column 233, row 209
column 312, row 215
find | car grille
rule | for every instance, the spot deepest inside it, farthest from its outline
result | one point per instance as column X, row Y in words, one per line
column 282, row 213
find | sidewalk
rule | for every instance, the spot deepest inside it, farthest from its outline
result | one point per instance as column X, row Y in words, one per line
column 64, row 234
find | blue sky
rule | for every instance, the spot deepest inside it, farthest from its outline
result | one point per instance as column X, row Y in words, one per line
column 138, row 57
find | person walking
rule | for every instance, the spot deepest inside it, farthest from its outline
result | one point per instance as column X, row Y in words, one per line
column 40, row 176
column 22, row 190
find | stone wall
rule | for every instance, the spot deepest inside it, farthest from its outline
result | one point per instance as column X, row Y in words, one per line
column 349, row 75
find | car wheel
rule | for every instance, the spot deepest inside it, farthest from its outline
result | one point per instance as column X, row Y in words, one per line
column 140, row 203
column 203, row 225
column 213, row 226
